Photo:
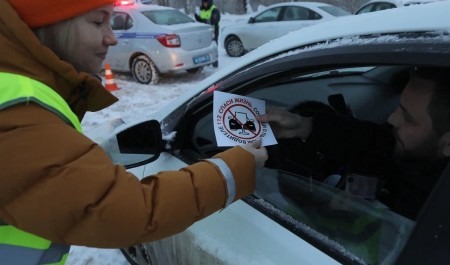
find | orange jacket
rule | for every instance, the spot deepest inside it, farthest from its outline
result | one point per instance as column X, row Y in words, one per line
column 58, row 184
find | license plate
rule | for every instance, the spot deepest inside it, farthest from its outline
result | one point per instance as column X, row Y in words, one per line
column 201, row 59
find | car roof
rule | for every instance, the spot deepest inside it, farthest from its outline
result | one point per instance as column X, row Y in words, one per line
column 434, row 16
column 401, row 2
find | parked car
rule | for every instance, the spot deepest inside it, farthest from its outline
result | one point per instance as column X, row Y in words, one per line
column 359, row 63
column 273, row 22
column 378, row 5
column 154, row 39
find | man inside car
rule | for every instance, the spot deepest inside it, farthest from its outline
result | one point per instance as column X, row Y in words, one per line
column 408, row 154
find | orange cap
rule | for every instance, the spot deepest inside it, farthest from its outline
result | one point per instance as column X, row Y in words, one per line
column 38, row 13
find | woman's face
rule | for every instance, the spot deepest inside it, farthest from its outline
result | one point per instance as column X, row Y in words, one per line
column 92, row 36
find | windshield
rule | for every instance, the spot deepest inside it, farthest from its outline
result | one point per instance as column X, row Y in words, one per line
column 335, row 11
column 167, row 17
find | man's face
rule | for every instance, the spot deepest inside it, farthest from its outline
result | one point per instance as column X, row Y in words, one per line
column 412, row 125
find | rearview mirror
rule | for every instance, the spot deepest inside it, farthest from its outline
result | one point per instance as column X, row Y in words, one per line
column 251, row 20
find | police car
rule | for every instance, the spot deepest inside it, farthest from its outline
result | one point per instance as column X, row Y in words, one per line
column 153, row 40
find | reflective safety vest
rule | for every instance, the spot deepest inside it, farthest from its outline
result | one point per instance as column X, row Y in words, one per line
column 206, row 14
column 17, row 246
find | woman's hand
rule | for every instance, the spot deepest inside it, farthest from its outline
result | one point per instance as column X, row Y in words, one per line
column 258, row 151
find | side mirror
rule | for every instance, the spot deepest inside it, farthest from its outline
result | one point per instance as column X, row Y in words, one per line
column 140, row 144
column 251, row 20
column 136, row 145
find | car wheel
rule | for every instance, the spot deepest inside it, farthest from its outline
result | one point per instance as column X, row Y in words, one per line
column 194, row 70
column 136, row 255
column 234, row 47
column 144, row 70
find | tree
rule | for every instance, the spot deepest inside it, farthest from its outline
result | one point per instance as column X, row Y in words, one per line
column 189, row 7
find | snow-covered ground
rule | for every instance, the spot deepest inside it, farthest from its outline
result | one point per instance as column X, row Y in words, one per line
column 140, row 100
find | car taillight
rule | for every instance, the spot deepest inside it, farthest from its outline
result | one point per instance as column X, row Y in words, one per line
column 170, row 40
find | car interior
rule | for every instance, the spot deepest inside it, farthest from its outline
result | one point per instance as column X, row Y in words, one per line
column 290, row 181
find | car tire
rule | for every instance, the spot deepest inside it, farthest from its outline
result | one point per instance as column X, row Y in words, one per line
column 195, row 70
column 234, row 47
column 144, row 70
column 136, row 255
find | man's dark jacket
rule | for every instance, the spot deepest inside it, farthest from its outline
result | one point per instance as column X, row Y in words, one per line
column 348, row 145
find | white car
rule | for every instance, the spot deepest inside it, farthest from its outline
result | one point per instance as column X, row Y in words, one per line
column 154, row 39
column 379, row 5
column 273, row 22
column 357, row 63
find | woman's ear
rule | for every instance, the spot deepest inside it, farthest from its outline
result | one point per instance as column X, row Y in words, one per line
column 445, row 141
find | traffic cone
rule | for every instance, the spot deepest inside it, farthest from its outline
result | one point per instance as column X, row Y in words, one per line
column 110, row 83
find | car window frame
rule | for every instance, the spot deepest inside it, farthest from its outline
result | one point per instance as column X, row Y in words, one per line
column 373, row 7
column 313, row 59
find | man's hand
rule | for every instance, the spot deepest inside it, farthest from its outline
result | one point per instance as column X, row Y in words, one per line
column 286, row 124
column 258, row 151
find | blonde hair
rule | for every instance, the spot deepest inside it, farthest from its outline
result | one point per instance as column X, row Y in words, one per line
column 59, row 37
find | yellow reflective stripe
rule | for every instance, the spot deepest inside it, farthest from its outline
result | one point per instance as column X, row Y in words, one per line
column 10, row 235
column 16, row 88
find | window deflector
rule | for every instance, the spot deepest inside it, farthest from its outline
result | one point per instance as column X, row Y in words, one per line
column 365, row 228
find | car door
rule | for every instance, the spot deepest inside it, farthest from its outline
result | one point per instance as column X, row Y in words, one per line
column 292, row 217
column 364, row 230
column 296, row 17
column 262, row 29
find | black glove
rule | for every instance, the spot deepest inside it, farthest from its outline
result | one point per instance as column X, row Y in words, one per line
column 197, row 17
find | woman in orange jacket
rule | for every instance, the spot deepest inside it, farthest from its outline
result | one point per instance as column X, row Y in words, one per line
column 58, row 185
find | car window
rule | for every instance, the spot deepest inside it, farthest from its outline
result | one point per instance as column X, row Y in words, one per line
column 375, row 7
column 335, row 11
column 121, row 21
column 299, row 13
column 328, row 208
column 383, row 6
column 167, row 17
column 365, row 228
column 268, row 15
column 366, row 9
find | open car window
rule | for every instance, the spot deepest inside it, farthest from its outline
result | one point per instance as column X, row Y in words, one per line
column 363, row 83
column 348, row 227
